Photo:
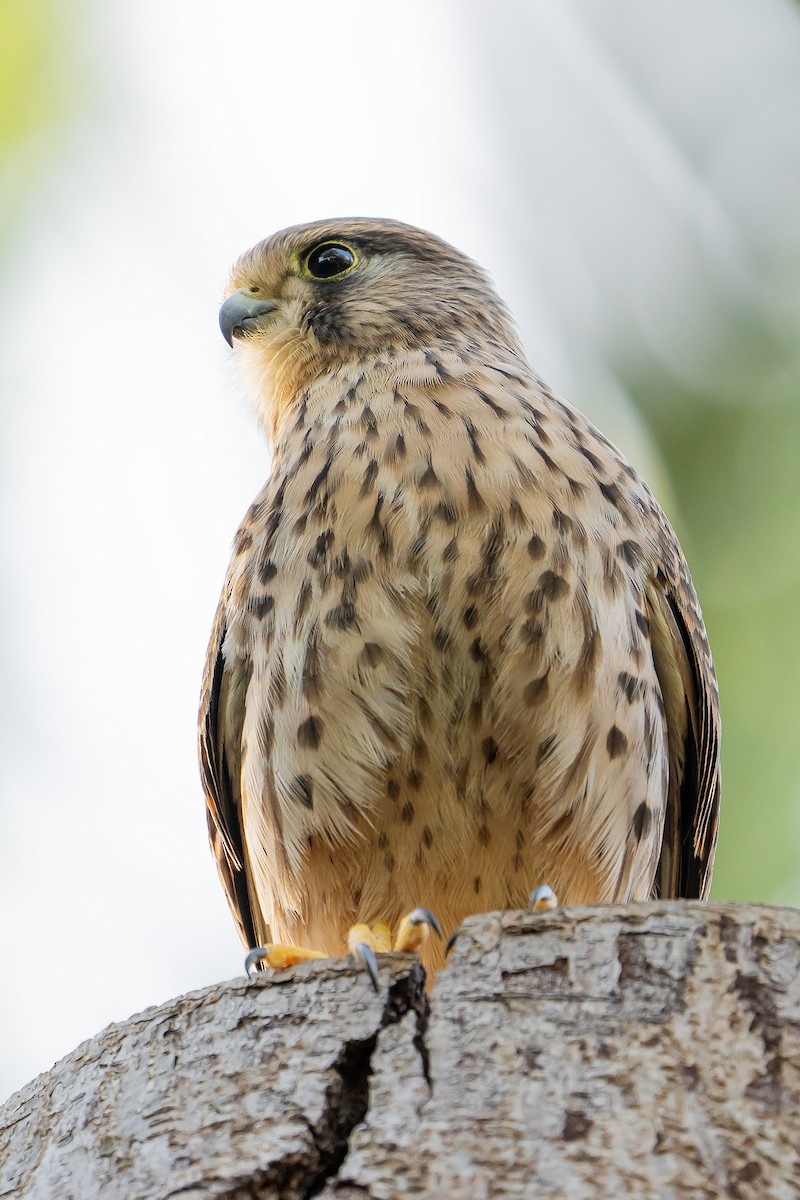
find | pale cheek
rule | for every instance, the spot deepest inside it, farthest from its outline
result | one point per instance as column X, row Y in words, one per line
column 272, row 372
column 251, row 373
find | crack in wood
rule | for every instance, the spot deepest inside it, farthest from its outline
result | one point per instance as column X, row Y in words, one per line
column 347, row 1097
column 651, row 1048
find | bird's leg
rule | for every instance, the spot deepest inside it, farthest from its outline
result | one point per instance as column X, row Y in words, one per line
column 542, row 899
column 279, row 956
column 366, row 941
column 415, row 929
column 382, row 936
column 363, row 942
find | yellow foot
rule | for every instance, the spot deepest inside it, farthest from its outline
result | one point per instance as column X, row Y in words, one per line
column 278, row 957
column 365, row 942
column 542, row 899
column 415, row 929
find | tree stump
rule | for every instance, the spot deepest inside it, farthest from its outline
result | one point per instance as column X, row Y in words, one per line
column 643, row 1051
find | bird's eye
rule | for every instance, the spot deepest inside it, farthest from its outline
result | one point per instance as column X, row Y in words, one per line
column 329, row 260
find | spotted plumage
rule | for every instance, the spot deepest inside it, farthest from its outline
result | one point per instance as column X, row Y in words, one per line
column 458, row 651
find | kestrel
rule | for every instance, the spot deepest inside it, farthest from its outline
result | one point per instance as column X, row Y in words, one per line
column 458, row 650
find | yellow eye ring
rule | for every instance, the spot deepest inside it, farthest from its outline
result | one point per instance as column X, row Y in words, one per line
column 329, row 260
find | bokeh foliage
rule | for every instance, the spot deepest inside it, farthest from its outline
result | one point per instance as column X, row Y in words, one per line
column 733, row 463
column 35, row 96
column 650, row 184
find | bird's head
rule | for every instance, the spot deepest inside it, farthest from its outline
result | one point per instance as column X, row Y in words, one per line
column 317, row 297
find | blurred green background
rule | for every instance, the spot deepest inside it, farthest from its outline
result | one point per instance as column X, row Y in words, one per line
column 629, row 173
column 37, row 98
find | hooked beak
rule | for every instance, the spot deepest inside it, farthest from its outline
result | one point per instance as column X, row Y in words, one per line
column 241, row 312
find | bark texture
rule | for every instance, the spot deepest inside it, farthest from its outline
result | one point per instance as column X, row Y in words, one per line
column 649, row 1051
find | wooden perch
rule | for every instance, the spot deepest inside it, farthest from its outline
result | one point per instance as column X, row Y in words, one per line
column 650, row 1051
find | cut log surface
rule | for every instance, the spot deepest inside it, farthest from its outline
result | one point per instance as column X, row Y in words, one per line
column 643, row 1051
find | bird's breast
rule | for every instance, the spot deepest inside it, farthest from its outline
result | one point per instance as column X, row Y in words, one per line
column 417, row 583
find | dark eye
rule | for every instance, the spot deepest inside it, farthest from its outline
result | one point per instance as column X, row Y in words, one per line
column 328, row 260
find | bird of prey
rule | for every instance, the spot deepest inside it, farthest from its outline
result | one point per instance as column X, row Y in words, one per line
column 458, row 651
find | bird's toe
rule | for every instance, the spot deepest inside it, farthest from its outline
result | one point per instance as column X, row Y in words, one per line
column 542, row 899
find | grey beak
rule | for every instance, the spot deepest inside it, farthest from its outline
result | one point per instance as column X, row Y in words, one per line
column 241, row 312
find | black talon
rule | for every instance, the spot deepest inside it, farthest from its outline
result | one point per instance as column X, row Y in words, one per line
column 367, row 956
column 542, row 898
column 451, row 941
column 424, row 916
column 255, row 956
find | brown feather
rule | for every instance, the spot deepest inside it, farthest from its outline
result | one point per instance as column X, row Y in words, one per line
column 689, row 690
column 220, row 765
column 458, row 651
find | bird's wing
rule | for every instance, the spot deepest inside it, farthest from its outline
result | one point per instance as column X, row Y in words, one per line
column 220, row 742
column 691, row 701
